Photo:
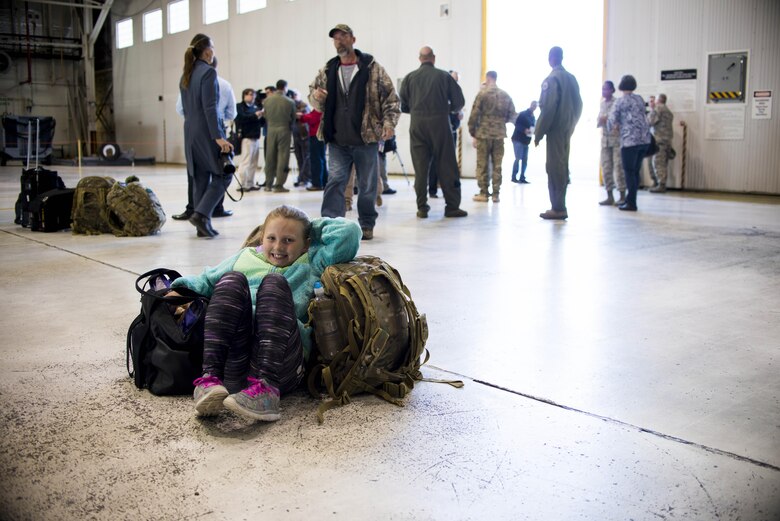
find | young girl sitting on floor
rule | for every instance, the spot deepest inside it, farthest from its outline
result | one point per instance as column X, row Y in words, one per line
column 254, row 327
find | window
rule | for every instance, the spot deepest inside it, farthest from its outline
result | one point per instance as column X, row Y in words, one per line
column 214, row 11
column 124, row 33
column 245, row 6
column 178, row 16
column 153, row 25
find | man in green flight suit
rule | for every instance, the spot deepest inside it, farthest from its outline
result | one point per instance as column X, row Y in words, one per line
column 429, row 95
column 561, row 107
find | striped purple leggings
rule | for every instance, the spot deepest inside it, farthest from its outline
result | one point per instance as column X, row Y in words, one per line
column 233, row 349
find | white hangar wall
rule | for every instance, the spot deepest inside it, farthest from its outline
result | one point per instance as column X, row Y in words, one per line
column 289, row 40
column 644, row 38
column 285, row 40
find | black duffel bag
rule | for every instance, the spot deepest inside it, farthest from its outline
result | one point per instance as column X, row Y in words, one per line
column 165, row 351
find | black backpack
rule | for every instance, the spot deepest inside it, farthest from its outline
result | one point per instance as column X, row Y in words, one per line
column 50, row 211
column 34, row 181
column 165, row 352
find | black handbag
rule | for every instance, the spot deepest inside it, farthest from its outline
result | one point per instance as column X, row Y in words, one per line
column 652, row 148
column 165, row 351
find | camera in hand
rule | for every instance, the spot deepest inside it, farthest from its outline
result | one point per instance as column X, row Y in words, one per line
column 227, row 163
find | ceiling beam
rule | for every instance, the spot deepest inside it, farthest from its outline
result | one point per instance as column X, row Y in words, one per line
column 40, row 43
column 86, row 4
column 104, row 12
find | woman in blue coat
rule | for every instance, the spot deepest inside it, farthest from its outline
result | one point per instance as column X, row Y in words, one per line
column 204, row 139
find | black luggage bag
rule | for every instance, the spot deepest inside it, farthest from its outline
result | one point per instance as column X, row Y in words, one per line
column 35, row 181
column 165, row 353
column 50, row 211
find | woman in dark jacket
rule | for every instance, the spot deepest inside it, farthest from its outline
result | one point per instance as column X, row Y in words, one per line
column 204, row 139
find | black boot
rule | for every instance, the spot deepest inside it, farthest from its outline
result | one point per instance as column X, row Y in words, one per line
column 184, row 216
column 203, row 225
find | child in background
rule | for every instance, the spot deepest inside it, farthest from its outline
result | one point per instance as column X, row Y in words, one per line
column 255, row 329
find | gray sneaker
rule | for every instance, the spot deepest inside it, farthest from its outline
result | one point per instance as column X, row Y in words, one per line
column 259, row 401
column 209, row 395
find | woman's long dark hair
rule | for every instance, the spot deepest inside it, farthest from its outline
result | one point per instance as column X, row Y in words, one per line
column 199, row 43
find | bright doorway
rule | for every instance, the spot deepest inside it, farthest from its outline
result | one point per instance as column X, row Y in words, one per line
column 519, row 36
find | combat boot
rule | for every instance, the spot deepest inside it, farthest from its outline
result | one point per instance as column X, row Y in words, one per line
column 622, row 199
column 658, row 189
column 609, row 201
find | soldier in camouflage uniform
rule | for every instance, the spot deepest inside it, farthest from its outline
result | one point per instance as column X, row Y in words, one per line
column 359, row 108
column 611, row 164
column 660, row 119
column 561, row 106
column 492, row 110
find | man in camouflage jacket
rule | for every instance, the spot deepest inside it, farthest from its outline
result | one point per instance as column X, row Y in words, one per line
column 360, row 107
column 492, row 110
column 660, row 119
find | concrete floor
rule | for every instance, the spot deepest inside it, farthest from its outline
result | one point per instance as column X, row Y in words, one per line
column 617, row 366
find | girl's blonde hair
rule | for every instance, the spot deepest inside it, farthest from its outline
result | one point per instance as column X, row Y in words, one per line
column 255, row 238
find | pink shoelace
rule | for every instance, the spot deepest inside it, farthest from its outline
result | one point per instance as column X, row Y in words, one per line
column 207, row 381
column 259, row 386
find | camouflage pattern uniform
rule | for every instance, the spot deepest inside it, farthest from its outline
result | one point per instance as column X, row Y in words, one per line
column 380, row 111
column 660, row 120
column 611, row 164
column 492, row 110
column 561, row 108
column 382, row 108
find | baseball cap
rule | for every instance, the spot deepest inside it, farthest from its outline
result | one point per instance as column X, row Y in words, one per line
column 340, row 27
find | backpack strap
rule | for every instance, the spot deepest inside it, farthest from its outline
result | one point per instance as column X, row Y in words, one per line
column 185, row 294
column 131, row 361
column 330, row 404
column 455, row 383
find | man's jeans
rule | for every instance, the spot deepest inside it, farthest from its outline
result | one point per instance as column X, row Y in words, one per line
column 521, row 155
column 340, row 162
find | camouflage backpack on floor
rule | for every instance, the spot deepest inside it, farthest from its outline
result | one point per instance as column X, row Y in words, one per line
column 90, row 210
column 378, row 334
column 134, row 210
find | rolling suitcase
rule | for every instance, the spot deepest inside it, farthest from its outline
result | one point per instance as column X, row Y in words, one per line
column 50, row 211
column 34, row 181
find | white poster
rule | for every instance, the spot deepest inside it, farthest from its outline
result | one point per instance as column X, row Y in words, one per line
column 762, row 104
column 724, row 122
column 680, row 95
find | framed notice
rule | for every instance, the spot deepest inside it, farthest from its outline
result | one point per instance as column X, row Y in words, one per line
column 725, row 122
column 762, row 104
